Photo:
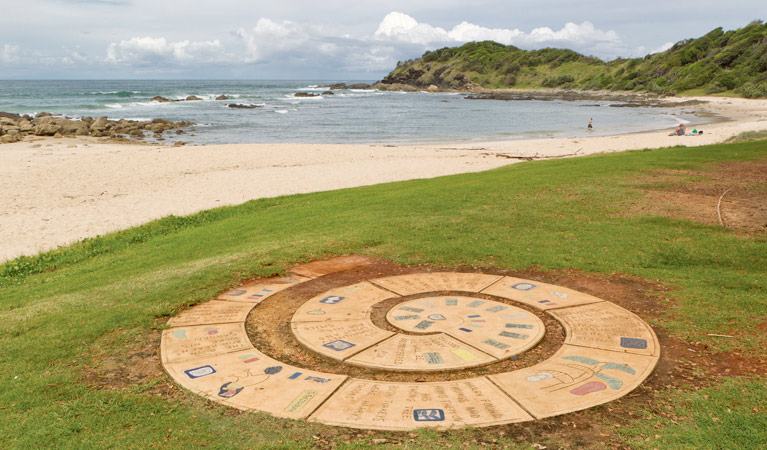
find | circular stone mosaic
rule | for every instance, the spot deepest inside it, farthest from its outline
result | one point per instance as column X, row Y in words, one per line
column 608, row 351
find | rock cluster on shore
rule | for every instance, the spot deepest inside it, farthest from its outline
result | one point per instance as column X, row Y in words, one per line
column 619, row 99
column 14, row 127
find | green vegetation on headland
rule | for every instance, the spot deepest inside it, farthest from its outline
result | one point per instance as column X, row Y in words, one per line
column 730, row 63
column 77, row 321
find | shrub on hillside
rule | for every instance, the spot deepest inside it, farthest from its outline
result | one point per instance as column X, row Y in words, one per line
column 753, row 90
column 558, row 81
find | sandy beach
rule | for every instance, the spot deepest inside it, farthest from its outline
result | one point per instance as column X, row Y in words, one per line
column 55, row 191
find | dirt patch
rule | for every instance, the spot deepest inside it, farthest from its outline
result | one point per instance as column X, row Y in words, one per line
column 695, row 195
column 137, row 365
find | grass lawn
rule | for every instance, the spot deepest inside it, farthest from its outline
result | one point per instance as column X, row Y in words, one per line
column 107, row 295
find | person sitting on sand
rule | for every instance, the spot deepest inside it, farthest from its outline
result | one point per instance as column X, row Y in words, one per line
column 681, row 130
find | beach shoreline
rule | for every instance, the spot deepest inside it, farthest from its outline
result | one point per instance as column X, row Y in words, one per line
column 56, row 191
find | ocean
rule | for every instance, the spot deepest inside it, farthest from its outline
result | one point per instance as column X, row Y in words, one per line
column 359, row 116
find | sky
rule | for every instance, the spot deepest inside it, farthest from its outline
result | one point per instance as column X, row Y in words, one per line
column 327, row 40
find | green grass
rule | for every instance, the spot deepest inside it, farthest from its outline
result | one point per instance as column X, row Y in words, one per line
column 57, row 309
column 728, row 416
column 749, row 136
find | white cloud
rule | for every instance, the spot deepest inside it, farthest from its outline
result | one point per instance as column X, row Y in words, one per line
column 10, row 53
column 13, row 54
column 398, row 37
column 78, row 57
column 293, row 47
column 399, row 27
column 641, row 51
column 467, row 32
column 663, row 48
column 267, row 38
column 583, row 34
column 149, row 50
column 313, row 47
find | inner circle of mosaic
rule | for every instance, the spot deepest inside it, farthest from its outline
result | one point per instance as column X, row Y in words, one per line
column 607, row 352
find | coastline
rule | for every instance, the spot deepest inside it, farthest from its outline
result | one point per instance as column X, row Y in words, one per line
column 730, row 117
column 55, row 191
column 278, row 113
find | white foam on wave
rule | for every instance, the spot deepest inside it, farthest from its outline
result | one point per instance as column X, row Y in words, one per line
column 111, row 92
column 360, row 94
column 212, row 97
column 135, row 104
column 281, row 111
column 114, row 105
column 293, row 98
column 677, row 119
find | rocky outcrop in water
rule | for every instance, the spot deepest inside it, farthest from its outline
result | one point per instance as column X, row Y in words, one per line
column 244, row 106
column 14, row 128
column 341, row 86
column 191, row 98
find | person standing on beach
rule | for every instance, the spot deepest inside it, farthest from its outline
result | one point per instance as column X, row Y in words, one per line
column 590, row 126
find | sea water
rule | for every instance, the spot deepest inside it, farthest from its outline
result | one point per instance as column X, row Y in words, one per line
column 349, row 116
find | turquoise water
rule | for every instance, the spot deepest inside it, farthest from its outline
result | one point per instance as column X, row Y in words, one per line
column 349, row 116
